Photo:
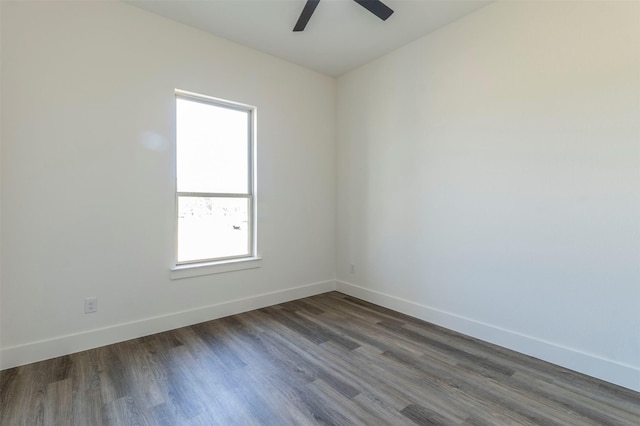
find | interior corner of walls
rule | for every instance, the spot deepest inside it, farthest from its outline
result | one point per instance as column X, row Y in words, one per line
column 67, row 344
column 624, row 375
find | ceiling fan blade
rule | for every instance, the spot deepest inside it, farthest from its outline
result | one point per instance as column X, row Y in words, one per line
column 376, row 7
column 307, row 11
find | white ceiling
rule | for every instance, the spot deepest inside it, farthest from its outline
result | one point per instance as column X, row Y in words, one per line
column 340, row 36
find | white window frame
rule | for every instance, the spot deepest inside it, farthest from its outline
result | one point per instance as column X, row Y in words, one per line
column 185, row 269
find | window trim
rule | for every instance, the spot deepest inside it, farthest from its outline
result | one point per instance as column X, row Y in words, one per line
column 184, row 269
column 209, row 268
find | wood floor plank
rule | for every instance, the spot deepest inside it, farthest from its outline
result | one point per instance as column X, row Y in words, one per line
column 328, row 359
column 87, row 407
column 162, row 415
column 382, row 412
column 58, row 408
column 407, row 358
column 125, row 411
column 362, row 332
column 424, row 416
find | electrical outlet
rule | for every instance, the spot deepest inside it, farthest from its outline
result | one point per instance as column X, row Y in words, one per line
column 90, row 305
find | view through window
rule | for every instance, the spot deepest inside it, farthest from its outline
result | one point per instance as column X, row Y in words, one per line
column 214, row 170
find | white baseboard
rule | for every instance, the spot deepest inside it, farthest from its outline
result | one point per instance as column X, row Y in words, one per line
column 620, row 374
column 64, row 345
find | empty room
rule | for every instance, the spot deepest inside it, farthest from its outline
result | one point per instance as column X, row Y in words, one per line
column 301, row 212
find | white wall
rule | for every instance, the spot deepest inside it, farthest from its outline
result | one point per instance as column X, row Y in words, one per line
column 88, row 174
column 489, row 181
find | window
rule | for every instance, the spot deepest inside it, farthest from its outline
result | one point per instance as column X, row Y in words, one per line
column 214, row 180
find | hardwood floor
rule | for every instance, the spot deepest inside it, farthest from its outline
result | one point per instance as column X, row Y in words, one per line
column 326, row 359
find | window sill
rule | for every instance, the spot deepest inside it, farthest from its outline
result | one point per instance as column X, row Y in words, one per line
column 198, row 269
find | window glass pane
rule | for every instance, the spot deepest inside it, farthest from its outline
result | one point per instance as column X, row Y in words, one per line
column 212, row 227
column 212, row 148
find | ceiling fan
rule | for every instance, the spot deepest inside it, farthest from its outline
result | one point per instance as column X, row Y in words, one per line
column 376, row 7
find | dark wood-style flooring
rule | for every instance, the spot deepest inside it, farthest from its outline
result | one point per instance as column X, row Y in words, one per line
column 327, row 359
